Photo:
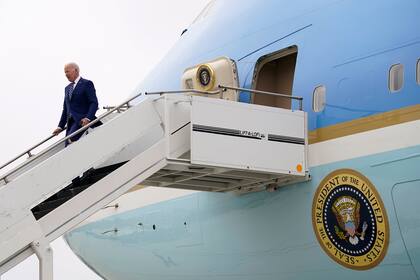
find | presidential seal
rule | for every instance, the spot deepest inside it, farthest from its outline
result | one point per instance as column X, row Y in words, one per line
column 350, row 220
column 205, row 77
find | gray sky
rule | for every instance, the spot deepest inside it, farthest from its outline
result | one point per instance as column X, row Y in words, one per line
column 115, row 44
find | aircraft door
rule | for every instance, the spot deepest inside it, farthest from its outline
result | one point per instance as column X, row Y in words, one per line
column 275, row 73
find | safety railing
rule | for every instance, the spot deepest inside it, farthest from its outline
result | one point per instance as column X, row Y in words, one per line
column 28, row 151
column 82, row 129
column 224, row 88
column 185, row 91
column 299, row 98
column 121, row 108
column 110, row 109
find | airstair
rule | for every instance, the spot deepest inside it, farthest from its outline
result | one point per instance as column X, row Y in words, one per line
column 171, row 139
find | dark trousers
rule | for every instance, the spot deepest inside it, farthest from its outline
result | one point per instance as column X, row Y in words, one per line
column 73, row 126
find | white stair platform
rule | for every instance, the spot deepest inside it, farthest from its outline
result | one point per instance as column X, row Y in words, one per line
column 234, row 146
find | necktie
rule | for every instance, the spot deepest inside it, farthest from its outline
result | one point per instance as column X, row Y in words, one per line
column 71, row 90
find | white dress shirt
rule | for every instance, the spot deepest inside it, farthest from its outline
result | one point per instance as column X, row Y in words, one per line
column 76, row 81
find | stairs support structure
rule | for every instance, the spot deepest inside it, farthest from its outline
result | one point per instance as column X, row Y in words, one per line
column 44, row 253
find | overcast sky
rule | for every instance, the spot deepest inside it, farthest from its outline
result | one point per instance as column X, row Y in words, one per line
column 115, row 43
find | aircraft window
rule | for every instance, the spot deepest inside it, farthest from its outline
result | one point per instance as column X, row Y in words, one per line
column 418, row 72
column 396, row 77
column 319, row 99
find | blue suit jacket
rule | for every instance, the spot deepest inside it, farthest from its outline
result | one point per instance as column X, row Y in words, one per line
column 83, row 103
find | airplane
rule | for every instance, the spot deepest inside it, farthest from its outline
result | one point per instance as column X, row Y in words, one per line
column 353, row 68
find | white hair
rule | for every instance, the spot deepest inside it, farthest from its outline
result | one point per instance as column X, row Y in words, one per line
column 73, row 65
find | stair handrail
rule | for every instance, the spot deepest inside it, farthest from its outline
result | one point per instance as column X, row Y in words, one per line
column 28, row 151
column 116, row 108
column 63, row 140
column 299, row 98
column 210, row 92
column 223, row 88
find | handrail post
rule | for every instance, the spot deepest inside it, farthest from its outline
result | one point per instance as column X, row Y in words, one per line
column 166, row 127
column 221, row 92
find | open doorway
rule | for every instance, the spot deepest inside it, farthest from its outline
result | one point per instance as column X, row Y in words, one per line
column 275, row 73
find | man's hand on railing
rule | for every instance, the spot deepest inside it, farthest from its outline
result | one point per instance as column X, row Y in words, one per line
column 84, row 121
column 57, row 131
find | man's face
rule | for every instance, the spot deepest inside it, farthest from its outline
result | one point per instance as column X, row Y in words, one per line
column 71, row 73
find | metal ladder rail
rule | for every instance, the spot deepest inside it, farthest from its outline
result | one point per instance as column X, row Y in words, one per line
column 299, row 98
column 223, row 88
column 62, row 141
column 120, row 109
column 28, row 151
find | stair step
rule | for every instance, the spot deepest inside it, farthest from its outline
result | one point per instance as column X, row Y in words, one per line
column 51, row 204
column 47, row 205
column 38, row 215
column 70, row 191
column 89, row 178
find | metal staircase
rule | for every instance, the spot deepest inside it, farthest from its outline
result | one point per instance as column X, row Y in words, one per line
column 168, row 140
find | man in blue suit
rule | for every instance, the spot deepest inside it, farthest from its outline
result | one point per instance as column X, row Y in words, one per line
column 80, row 103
